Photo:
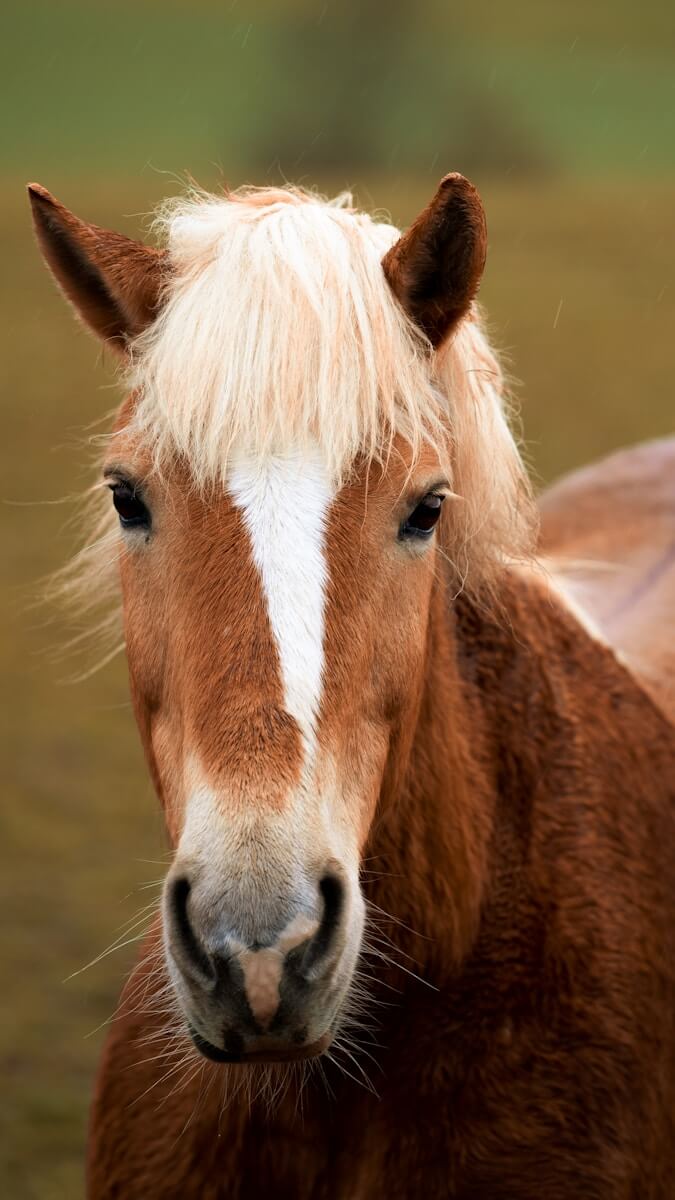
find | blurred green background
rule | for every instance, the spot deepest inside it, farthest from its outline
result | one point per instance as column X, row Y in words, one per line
column 562, row 113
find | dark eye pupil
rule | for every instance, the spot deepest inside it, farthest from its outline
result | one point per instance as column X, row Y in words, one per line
column 129, row 506
column 423, row 518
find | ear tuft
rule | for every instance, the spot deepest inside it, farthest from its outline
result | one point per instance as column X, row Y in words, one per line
column 36, row 190
column 435, row 267
column 113, row 282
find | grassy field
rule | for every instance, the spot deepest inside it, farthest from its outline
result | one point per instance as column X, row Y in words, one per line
column 580, row 295
column 250, row 84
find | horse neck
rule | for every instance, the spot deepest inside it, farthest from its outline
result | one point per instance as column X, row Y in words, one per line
column 446, row 802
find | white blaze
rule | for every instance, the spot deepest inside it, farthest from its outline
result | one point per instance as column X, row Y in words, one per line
column 284, row 501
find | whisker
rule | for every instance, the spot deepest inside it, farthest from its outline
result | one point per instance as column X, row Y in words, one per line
column 104, row 954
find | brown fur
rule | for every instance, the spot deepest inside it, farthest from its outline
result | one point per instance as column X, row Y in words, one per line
column 611, row 531
column 512, row 786
column 113, row 282
column 188, row 630
column 532, row 823
column 435, row 268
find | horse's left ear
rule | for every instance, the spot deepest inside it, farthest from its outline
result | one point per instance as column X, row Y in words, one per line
column 113, row 282
column 435, row 268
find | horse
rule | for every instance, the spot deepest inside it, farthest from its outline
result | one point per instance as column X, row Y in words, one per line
column 412, row 733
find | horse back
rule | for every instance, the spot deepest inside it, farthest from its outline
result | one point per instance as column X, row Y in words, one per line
column 608, row 531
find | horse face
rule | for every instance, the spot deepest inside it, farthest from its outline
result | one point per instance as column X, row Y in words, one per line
column 276, row 635
column 276, row 624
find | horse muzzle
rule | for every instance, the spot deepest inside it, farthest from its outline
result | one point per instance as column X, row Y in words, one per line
column 268, row 989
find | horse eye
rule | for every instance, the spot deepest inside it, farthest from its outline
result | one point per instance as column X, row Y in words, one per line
column 130, row 508
column 423, row 518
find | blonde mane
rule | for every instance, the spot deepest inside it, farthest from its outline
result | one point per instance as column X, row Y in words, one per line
column 278, row 327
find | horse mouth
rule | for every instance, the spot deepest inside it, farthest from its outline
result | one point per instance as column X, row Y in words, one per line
column 274, row 1053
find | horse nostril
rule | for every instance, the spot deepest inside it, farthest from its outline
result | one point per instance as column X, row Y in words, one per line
column 192, row 953
column 332, row 894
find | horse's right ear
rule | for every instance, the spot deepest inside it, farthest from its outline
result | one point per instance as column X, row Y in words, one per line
column 113, row 282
